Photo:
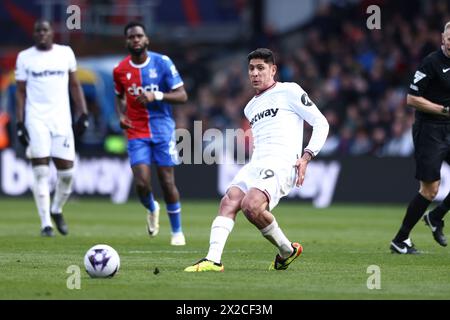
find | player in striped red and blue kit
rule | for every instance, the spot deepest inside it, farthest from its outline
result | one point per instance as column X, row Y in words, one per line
column 146, row 84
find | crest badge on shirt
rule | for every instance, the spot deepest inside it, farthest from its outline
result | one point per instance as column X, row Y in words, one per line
column 152, row 73
column 128, row 75
column 306, row 101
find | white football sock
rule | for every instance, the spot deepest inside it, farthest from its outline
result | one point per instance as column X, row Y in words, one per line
column 41, row 192
column 275, row 235
column 63, row 189
column 220, row 229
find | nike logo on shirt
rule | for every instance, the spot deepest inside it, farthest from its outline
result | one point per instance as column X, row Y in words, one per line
column 445, row 70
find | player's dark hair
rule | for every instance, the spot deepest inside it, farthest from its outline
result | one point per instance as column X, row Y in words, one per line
column 133, row 24
column 262, row 53
column 43, row 21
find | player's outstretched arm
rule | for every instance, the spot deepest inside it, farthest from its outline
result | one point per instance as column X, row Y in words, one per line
column 178, row 95
column 301, row 165
column 308, row 111
column 77, row 94
column 20, row 100
column 425, row 105
column 175, row 96
column 80, row 104
column 121, row 107
column 22, row 133
column 318, row 137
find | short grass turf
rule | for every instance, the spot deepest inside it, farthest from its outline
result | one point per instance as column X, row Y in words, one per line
column 340, row 243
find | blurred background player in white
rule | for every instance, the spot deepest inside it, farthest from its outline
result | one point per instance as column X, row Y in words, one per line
column 276, row 114
column 44, row 75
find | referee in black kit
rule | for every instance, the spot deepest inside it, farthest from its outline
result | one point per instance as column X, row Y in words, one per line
column 429, row 94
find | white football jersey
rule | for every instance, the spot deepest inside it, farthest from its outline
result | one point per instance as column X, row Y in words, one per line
column 276, row 118
column 47, row 85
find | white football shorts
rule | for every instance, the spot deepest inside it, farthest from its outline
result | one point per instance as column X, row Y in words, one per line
column 44, row 143
column 274, row 180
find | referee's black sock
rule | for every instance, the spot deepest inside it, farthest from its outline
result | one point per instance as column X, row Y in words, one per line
column 415, row 211
column 439, row 212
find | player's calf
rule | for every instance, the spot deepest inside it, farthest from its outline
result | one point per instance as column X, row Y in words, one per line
column 153, row 220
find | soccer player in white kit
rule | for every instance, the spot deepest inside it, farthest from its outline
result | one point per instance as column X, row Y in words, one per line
column 44, row 75
column 276, row 114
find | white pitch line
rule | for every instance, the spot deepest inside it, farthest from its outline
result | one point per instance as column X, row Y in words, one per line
column 184, row 251
column 163, row 251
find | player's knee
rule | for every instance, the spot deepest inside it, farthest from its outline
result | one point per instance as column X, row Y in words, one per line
column 229, row 206
column 142, row 185
column 429, row 191
column 251, row 208
column 168, row 185
column 65, row 180
column 226, row 203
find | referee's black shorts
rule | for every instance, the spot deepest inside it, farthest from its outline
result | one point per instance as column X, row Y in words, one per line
column 432, row 148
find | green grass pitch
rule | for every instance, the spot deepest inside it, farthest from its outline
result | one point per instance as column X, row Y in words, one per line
column 339, row 242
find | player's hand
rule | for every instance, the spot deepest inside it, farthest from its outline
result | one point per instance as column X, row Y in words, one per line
column 145, row 98
column 125, row 123
column 22, row 134
column 81, row 125
column 301, row 165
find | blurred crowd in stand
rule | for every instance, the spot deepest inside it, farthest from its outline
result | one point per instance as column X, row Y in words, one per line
column 358, row 77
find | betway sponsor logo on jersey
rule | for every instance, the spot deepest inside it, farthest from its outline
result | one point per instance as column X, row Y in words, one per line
column 263, row 114
column 135, row 90
column 47, row 73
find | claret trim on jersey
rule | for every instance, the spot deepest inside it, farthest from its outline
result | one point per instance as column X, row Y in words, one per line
column 274, row 84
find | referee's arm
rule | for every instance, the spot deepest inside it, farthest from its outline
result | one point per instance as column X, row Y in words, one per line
column 425, row 105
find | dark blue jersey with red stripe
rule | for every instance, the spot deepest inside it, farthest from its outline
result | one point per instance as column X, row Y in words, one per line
column 157, row 73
